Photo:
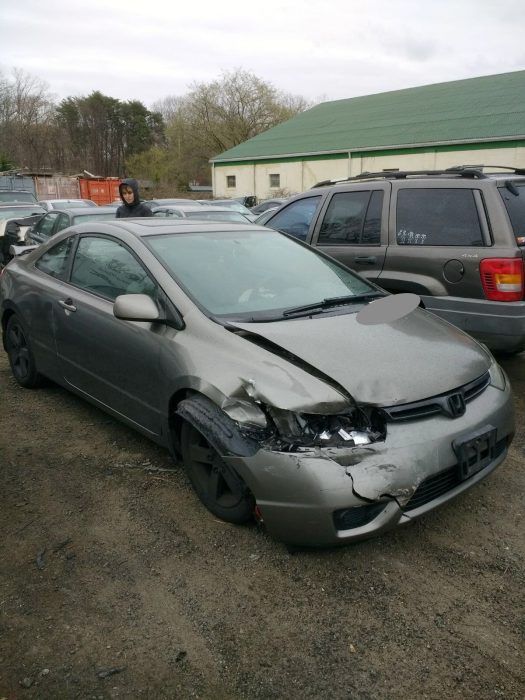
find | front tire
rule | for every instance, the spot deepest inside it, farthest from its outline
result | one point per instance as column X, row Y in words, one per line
column 20, row 355
column 217, row 485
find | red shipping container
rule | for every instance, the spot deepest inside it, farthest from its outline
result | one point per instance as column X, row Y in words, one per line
column 100, row 190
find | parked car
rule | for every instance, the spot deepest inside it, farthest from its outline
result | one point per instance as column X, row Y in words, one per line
column 59, row 219
column 202, row 213
column 15, row 221
column 17, row 197
column 268, row 204
column 261, row 219
column 293, row 390
column 231, row 204
column 455, row 237
column 50, row 204
column 249, row 200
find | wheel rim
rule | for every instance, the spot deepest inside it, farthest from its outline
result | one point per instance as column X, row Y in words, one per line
column 18, row 351
column 214, row 478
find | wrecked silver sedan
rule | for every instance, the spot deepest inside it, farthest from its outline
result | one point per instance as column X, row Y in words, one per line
column 245, row 353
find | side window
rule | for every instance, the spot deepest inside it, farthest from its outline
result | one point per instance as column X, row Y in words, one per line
column 54, row 261
column 105, row 267
column 296, row 218
column 353, row 218
column 515, row 203
column 45, row 225
column 63, row 222
column 437, row 217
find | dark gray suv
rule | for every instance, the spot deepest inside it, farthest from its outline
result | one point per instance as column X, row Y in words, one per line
column 456, row 237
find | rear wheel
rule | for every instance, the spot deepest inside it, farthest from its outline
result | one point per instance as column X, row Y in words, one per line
column 20, row 355
column 218, row 486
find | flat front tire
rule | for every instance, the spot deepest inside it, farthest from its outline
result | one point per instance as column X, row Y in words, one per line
column 218, row 486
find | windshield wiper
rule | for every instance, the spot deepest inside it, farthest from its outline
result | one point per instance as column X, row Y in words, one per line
column 319, row 306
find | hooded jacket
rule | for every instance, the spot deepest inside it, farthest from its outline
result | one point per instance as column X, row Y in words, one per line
column 137, row 208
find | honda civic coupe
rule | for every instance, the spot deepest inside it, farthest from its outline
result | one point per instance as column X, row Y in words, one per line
column 292, row 391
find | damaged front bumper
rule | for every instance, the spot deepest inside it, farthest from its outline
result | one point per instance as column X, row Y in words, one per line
column 325, row 496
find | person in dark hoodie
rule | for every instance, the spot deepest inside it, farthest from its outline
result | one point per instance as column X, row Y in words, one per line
column 132, row 206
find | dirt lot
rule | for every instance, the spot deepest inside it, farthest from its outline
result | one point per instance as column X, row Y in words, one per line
column 116, row 582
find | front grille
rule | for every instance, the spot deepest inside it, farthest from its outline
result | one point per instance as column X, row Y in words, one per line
column 443, row 403
column 439, row 484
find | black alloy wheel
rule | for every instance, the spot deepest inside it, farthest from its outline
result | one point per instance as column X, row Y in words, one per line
column 218, row 486
column 20, row 355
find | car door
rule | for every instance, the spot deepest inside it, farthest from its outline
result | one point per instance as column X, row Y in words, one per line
column 112, row 361
column 353, row 227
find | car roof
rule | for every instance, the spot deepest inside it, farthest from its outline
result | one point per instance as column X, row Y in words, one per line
column 10, row 205
column 204, row 210
column 151, row 226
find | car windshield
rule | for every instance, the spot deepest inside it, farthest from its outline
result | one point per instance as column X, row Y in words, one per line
column 93, row 216
column 514, row 198
column 20, row 212
column 252, row 275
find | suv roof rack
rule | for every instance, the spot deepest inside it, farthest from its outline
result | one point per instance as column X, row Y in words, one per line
column 470, row 171
column 515, row 171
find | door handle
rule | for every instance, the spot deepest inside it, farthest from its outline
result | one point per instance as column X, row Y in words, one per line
column 366, row 259
column 67, row 304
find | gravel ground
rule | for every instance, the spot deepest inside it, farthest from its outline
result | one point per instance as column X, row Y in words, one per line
column 116, row 583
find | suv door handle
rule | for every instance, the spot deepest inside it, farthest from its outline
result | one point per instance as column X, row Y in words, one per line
column 366, row 259
column 67, row 304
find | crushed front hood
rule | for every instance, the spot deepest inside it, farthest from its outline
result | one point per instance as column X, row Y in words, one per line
column 413, row 358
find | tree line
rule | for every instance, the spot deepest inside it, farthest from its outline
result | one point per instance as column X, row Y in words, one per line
column 170, row 143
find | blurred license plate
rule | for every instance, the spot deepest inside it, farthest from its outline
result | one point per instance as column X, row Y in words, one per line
column 475, row 450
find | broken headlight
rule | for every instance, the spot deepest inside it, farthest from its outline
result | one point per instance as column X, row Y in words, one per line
column 357, row 427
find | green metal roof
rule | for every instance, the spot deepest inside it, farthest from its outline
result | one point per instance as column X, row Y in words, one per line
column 491, row 107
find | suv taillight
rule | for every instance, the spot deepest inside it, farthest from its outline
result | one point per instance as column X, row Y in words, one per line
column 503, row 279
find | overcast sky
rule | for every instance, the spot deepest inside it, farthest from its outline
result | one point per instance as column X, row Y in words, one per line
column 320, row 50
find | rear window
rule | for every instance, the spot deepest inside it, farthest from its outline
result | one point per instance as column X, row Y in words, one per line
column 515, row 205
column 14, row 196
column 435, row 217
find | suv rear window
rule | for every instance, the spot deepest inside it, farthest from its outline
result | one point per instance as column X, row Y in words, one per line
column 515, row 205
column 435, row 217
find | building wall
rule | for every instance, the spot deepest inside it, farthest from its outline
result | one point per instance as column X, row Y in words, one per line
column 299, row 174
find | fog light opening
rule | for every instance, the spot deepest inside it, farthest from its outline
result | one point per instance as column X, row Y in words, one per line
column 350, row 518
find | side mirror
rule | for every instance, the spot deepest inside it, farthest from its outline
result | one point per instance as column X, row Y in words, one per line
column 15, row 250
column 136, row 307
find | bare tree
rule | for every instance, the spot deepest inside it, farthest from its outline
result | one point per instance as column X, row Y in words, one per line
column 26, row 120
